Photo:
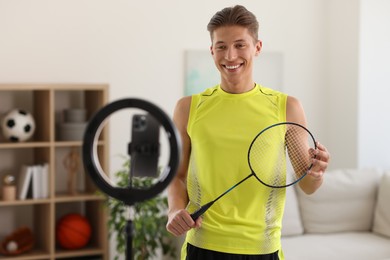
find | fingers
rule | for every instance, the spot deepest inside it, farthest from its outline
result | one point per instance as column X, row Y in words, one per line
column 198, row 222
column 322, row 153
column 320, row 160
column 180, row 222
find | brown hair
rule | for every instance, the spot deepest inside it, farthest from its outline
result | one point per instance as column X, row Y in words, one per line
column 235, row 15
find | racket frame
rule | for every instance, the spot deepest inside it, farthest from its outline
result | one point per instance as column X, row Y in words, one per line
column 267, row 128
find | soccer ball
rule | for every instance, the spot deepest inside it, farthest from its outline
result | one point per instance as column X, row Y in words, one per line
column 18, row 125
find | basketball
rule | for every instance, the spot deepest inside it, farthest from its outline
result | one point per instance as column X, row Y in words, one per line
column 73, row 231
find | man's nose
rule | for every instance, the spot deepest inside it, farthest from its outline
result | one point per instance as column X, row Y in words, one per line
column 231, row 54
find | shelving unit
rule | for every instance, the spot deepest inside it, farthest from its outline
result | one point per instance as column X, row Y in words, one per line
column 47, row 102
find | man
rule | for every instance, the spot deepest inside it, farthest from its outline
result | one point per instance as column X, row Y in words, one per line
column 216, row 128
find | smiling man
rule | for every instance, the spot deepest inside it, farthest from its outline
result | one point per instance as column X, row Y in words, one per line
column 216, row 127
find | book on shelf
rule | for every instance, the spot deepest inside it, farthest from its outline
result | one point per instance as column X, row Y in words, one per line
column 45, row 180
column 33, row 181
column 24, row 182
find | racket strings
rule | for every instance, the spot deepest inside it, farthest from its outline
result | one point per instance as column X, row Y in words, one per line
column 297, row 146
column 267, row 157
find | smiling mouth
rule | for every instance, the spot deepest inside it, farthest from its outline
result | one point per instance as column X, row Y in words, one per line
column 232, row 67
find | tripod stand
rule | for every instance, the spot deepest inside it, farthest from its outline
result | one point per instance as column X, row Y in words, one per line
column 130, row 195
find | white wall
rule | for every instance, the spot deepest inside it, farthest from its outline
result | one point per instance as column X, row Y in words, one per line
column 139, row 50
column 342, row 41
column 374, row 84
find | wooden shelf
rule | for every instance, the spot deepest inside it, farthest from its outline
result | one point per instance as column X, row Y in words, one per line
column 8, row 145
column 78, row 197
column 32, row 255
column 24, row 202
column 47, row 102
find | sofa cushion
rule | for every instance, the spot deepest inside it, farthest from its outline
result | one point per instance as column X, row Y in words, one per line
column 348, row 245
column 382, row 212
column 345, row 202
column 292, row 224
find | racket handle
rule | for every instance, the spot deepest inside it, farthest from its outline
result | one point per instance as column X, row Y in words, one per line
column 200, row 211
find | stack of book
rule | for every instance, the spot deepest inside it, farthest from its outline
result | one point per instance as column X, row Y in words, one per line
column 33, row 182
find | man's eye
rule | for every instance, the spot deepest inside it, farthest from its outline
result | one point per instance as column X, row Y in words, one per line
column 221, row 47
column 240, row 46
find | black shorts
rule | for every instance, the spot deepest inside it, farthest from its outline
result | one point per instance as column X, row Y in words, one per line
column 196, row 253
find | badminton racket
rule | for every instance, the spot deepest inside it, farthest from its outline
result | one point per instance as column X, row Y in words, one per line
column 278, row 157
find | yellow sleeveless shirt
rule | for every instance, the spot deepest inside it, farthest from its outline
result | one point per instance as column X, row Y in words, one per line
column 221, row 127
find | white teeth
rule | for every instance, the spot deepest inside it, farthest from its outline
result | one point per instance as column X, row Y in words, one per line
column 232, row 67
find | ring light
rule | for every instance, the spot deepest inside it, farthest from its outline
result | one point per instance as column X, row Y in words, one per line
column 129, row 195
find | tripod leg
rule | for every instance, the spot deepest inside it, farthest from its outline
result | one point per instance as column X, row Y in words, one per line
column 129, row 234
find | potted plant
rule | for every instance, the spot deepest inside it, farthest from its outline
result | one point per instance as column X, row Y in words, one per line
column 149, row 221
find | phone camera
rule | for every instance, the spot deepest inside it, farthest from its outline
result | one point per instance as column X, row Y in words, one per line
column 140, row 123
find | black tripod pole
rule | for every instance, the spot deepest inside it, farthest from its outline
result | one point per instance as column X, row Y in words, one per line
column 129, row 232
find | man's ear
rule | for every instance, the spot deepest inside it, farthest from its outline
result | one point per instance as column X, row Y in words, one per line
column 211, row 50
column 259, row 45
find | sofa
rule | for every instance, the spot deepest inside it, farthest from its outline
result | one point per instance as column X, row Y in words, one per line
column 347, row 218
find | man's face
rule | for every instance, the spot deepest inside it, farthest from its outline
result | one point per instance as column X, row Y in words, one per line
column 233, row 49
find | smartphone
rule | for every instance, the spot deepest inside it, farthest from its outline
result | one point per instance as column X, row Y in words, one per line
column 144, row 149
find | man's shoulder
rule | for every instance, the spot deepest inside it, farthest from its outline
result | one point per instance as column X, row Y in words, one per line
column 184, row 102
column 270, row 92
column 209, row 91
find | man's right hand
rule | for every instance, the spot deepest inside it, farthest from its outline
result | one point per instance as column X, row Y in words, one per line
column 180, row 221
